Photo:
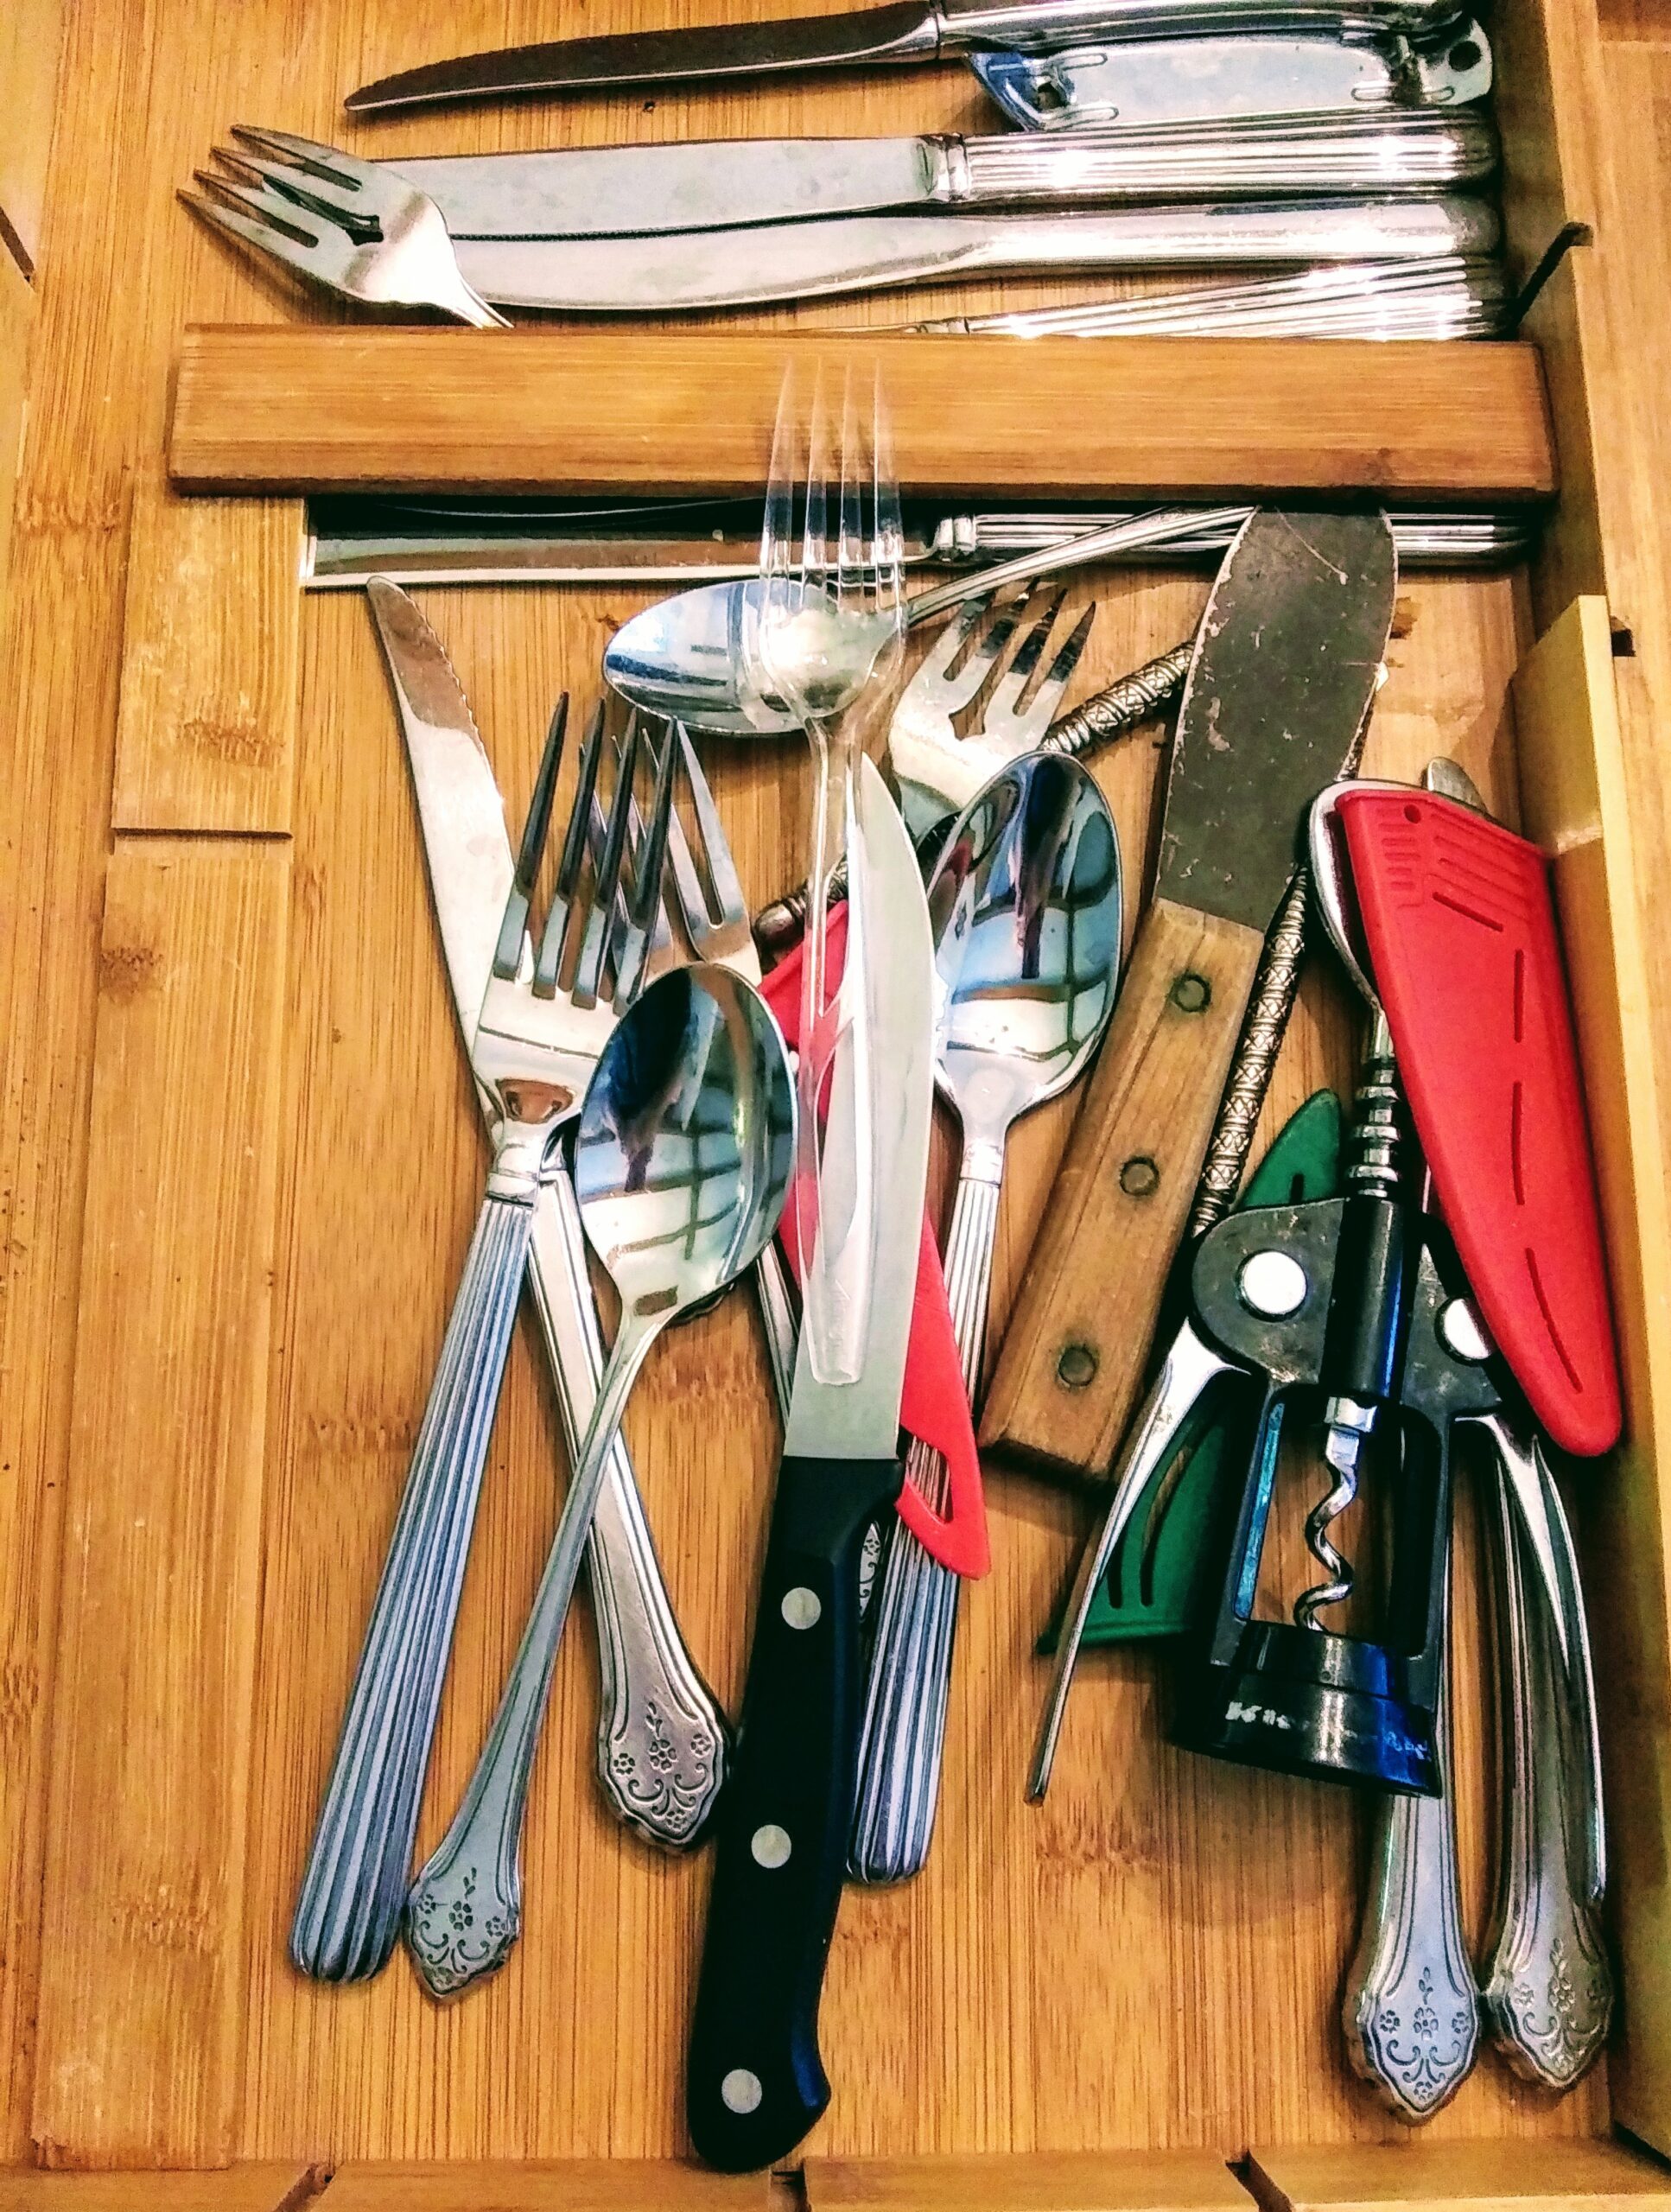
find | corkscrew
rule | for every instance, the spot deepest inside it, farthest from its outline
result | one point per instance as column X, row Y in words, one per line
column 1314, row 1302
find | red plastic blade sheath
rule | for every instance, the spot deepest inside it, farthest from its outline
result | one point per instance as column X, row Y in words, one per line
column 1461, row 928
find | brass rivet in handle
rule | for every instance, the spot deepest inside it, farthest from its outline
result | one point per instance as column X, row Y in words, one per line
column 1190, row 993
column 1075, row 1367
column 1140, row 1178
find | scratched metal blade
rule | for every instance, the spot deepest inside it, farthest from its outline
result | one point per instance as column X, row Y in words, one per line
column 1284, row 668
column 466, row 844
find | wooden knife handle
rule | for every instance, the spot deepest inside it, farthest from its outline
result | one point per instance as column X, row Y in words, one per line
column 1078, row 1340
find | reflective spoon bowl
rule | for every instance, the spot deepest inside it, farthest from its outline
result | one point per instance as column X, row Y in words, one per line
column 683, row 1156
column 1026, row 905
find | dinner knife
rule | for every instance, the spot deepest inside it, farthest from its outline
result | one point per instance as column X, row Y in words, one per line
column 852, row 253
column 755, row 2082
column 661, row 1734
column 1283, row 675
column 704, row 185
column 906, row 31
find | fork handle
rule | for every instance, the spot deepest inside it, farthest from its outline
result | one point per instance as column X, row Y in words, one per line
column 348, row 1916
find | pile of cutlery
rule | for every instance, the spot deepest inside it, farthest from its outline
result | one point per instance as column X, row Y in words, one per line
column 650, row 1091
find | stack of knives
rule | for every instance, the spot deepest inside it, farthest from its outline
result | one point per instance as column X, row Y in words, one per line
column 1154, row 134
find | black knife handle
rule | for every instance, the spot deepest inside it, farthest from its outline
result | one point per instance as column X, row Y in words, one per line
column 755, row 2082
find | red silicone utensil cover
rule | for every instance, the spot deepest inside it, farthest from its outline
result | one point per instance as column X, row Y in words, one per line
column 1461, row 934
column 935, row 1406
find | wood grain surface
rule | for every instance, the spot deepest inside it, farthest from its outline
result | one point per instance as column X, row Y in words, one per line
column 277, row 2186
column 1159, row 2181
column 1484, row 2177
column 206, row 725
column 1150, row 1959
column 146, row 1891
column 439, row 410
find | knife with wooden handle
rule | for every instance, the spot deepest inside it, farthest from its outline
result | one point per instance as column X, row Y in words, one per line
column 1282, row 678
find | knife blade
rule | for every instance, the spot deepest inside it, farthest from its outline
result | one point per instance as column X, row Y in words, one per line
column 851, row 253
column 1281, row 681
column 755, row 2082
column 714, row 184
column 906, row 31
column 653, row 1696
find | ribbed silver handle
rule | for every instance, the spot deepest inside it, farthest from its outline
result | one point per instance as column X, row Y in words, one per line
column 1244, row 160
column 902, row 1740
column 661, row 1733
column 1548, row 1986
column 348, row 1917
column 1034, row 25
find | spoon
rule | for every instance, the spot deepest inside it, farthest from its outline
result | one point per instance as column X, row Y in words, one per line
column 694, row 657
column 1026, row 904
column 683, row 1159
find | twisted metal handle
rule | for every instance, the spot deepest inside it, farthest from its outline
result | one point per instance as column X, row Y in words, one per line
column 902, row 1739
column 347, row 1917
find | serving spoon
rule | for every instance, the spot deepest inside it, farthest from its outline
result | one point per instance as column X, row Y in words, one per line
column 683, row 1155
column 1027, row 906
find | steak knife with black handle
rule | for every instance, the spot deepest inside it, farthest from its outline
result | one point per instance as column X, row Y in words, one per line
column 755, row 2082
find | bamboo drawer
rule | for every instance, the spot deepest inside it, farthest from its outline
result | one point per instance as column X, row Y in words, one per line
column 239, row 1159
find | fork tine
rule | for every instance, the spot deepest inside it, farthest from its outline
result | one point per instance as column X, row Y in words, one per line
column 1060, row 672
column 260, row 235
column 565, row 901
column 889, row 554
column 595, row 957
column 1039, row 610
column 855, row 547
column 513, row 930
column 283, row 217
column 308, row 154
column 324, row 195
column 690, row 889
column 814, row 520
column 720, row 868
column 645, row 906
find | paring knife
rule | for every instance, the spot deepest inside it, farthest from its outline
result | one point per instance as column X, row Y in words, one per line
column 1284, row 672
column 908, row 31
column 704, row 185
column 654, row 1700
column 755, row 2082
column 736, row 267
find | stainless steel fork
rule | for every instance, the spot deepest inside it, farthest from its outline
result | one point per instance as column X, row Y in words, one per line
column 353, row 226
column 936, row 772
column 544, row 1017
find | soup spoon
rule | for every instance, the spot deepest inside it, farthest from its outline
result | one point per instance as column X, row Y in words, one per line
column 683, row 1156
